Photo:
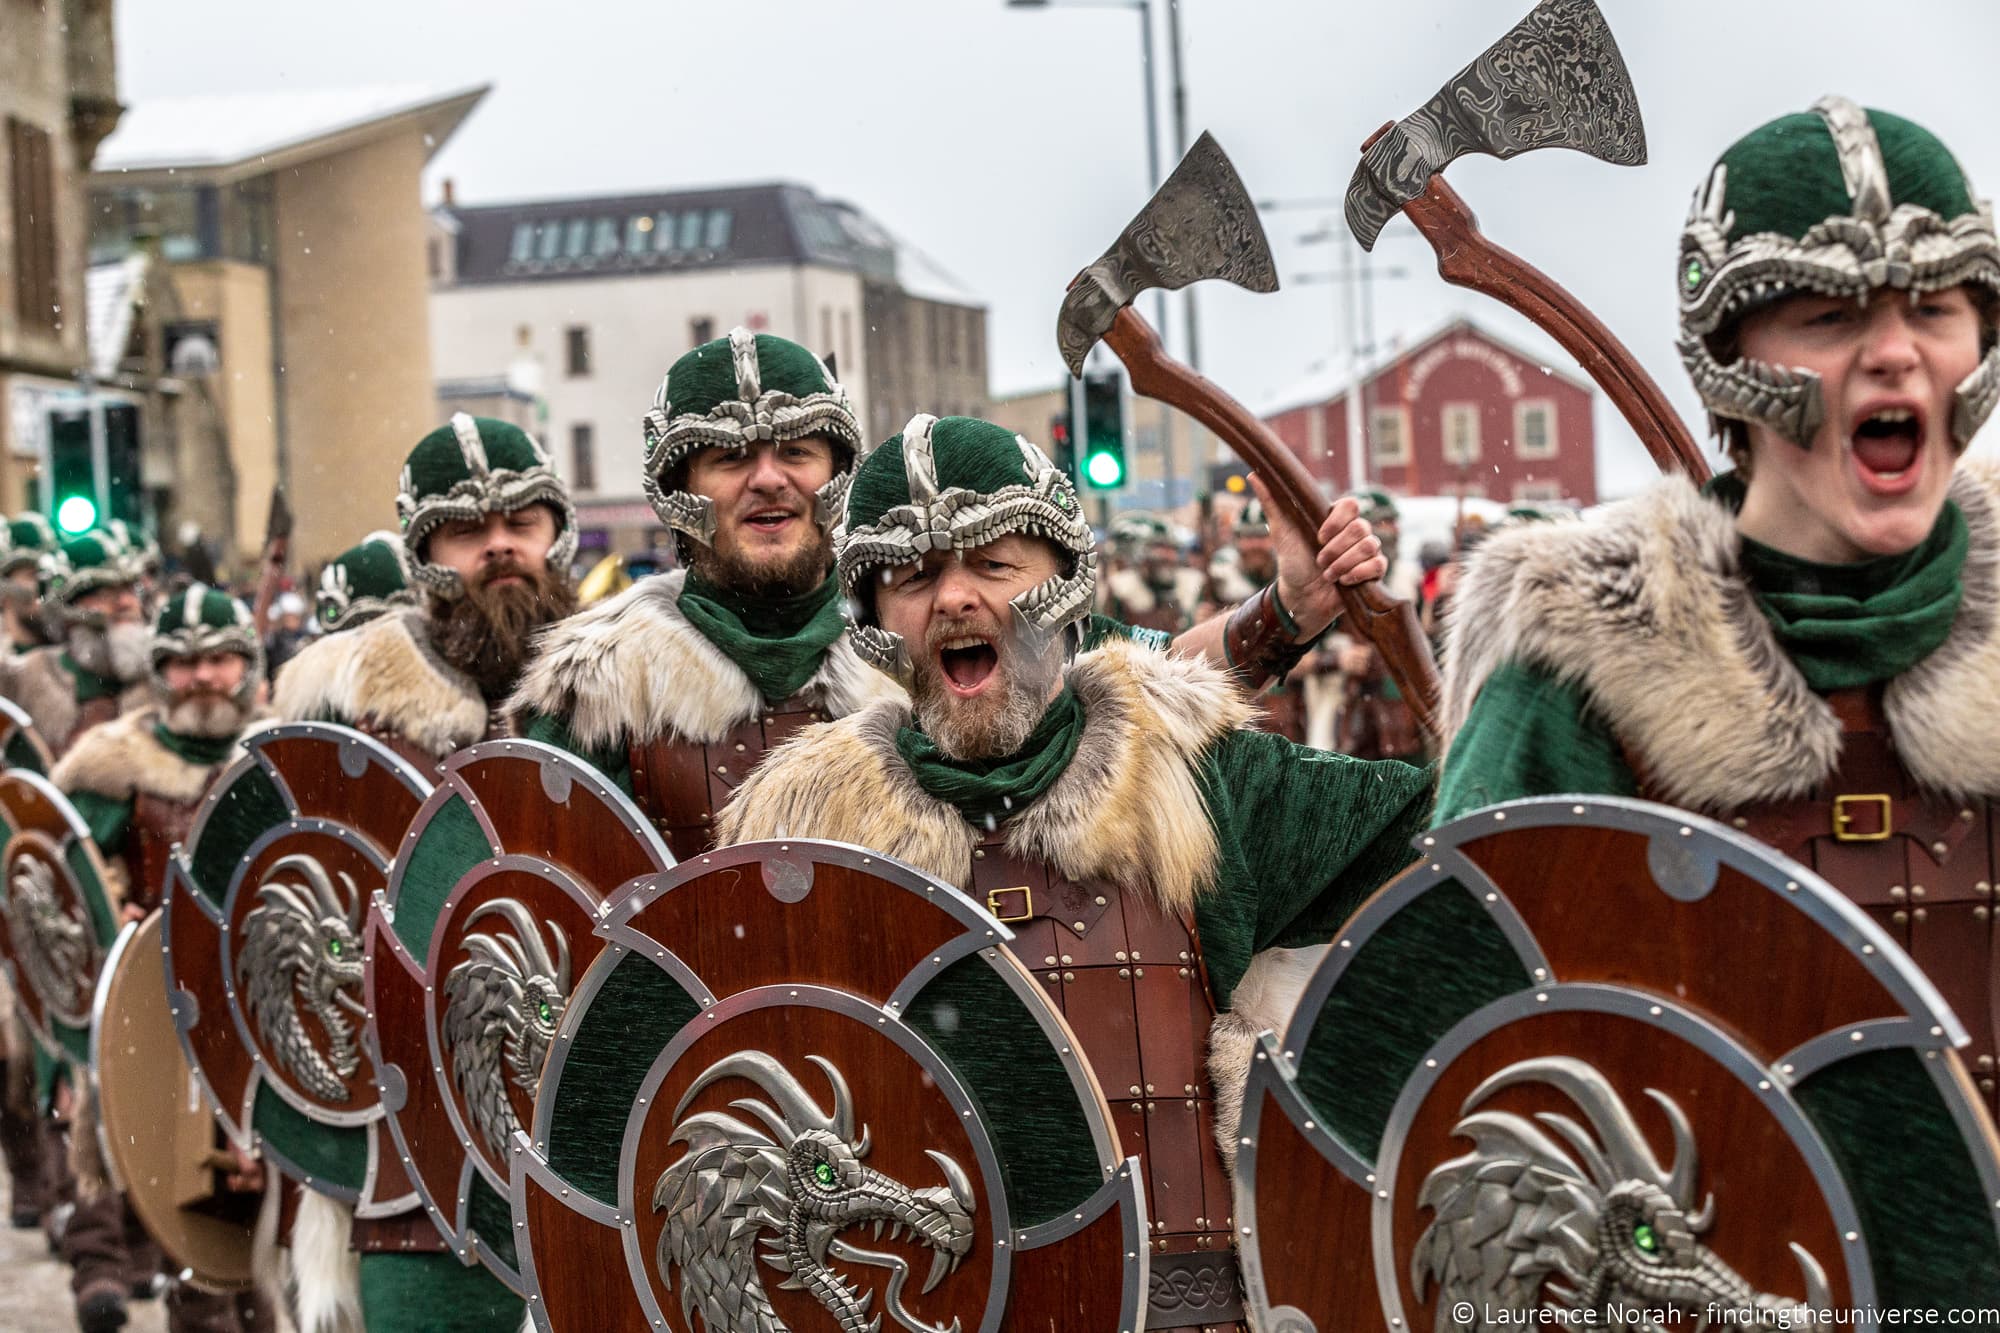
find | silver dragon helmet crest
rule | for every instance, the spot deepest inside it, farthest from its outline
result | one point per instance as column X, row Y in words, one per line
column 503, row 1002
column 53, row 946
column 1581, row 1219
column 795, row 1179
column 301, row 955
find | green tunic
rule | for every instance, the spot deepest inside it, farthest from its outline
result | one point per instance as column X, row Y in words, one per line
column 1532, row 732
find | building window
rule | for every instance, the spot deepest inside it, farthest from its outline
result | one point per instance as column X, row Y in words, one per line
column 702, row 329
column 1530, row 491
column 523, row 248
column 846, row 338
column 638, row 234
column 551, row 241
column 1535, row 429
column 576, row 342
column 1461, row 432
column 37, row 290
column 582, row 457
column 690, row 230
column 1389, row 436
column 1473, row 490
column 720, row 223
column 663, row 233
column 604, row 239
column 579, row 234
column 826, row 330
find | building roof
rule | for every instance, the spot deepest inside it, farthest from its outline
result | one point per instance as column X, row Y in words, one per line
column 110, row 294
column 727, row 226
column 1330, row 383
column 227, row 136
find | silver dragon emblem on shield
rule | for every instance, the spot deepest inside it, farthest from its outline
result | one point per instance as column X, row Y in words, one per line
column 1586, row 1218
column 796, row 1183
column 502, row 1005
column 53, row 946
column 301, row 955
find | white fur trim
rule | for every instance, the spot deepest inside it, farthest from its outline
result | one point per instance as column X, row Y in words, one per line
column 325, row 1272
column 1262, row 1002
column 384, row 673
column 122, row 759
column 633, row 667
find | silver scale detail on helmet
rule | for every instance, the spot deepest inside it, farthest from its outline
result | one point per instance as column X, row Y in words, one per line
column 752, row 416
column 487, row 490
column 960, row 520
column 1907, row 247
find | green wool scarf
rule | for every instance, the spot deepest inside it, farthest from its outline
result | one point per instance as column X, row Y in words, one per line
column 779, row 642
column 90, row 685
column 989, row 790
column 207, row 751
column 1846, row 626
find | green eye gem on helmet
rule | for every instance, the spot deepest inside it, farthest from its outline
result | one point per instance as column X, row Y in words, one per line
column 823, row 1173
column 1646, row 1238
column 335, row 948
column 545, row 1012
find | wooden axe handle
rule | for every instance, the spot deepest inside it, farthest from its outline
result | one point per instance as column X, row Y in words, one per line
column 1467, row 259
column 1387, row 621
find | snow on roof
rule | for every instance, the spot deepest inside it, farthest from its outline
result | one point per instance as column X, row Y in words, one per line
column 224, row 129
column 109, row 296
column 922, row 277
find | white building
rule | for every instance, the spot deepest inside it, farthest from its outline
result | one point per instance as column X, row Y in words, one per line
column 584, row 303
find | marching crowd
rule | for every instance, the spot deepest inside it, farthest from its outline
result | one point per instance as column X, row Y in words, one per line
column 919, row 645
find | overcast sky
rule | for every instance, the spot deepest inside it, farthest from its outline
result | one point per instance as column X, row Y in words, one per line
column 1009, row 143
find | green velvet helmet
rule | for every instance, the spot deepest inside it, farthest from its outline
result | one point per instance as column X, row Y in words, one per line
column 1840, row 202
column 84, row 564
column 361, row 583
column 1133, row 531
column 30, row 538
column 952, row 485
column 1253, row 521
column 139, row 545
column 1377, row 506
column 730, row 393
column 206, row 620
column 469, row 468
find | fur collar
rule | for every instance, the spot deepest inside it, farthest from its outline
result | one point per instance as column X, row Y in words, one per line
column 38, row 682
column 1128, row 807
column 633, row 667
column 122, row 759
column 386, row 674
column 1645, row 606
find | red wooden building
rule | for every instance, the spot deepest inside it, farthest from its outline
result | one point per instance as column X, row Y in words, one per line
column 1460, row 412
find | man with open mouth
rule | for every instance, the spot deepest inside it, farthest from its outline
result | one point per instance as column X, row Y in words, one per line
column 488, row 536
column 1808, row 646
column 1109, row 804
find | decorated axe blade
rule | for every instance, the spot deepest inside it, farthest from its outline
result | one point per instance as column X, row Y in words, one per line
column 1201, row 224
column 1556, row 81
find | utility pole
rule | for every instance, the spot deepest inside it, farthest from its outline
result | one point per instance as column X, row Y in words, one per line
column 1355, row 277
column 1197, row 456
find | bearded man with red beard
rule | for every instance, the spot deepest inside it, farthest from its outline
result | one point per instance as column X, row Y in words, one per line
column 138, row 781
column 488, row 535
column 1108, row 802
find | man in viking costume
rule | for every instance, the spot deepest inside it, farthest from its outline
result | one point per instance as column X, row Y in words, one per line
column 138, row 781
column 99, row 670
column 488, row 535
column 29, row 540
column 364, row 581
column 1807, row 647
column 1110, row 805
column 677, row 687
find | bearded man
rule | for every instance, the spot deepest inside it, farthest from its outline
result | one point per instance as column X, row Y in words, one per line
column 99, row 670
column 1807, row 647
column 138, row 781
column 30, row 540
column 1111, row 805
column 488, row 534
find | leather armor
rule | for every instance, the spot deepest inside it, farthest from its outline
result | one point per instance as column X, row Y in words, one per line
column 157, row 825
column 1131, row 983
column 1919, row 863
column 681, row 784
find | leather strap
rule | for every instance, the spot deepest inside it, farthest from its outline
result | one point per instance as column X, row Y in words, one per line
column 1193, row 1290
column 1257, row 640
column 410, row 1232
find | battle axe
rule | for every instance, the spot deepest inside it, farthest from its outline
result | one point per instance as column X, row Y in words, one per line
column 1556, row 81
column 1201, row 224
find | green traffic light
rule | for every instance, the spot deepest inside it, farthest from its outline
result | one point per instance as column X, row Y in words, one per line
column 1104, row 469
column 76, row 514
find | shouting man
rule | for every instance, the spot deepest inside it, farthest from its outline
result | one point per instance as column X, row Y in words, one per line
column 1111, row 805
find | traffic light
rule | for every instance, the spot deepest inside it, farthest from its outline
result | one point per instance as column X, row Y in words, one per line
column 1062, row 441
column 125, row 495
column 1103, row 431
column 72, row 493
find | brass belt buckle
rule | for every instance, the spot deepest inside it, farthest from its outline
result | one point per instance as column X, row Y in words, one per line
column 1841, row 819
column 1027, row 903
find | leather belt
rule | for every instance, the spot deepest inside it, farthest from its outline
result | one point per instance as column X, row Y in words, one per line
column 1193, row 1290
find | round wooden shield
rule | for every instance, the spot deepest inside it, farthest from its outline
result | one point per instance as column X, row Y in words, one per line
column 56, row 918
column 265, row 911
column 155, row 1127
column 21, row 746
column 804, row 1087
column 1602, row 1055
column 472, row 955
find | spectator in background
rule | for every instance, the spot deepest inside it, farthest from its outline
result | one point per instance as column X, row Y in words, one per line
column 288, row 630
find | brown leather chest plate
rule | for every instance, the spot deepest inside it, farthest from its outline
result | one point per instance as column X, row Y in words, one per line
column 1920, row 864
column 157, row 824
column 1129, row 981
column 681, row 784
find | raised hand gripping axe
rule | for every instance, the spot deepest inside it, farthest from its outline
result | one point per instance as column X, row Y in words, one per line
column 1556, row 81
column 1202, row 224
